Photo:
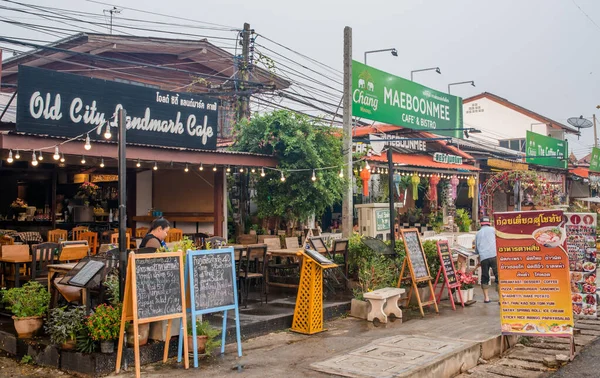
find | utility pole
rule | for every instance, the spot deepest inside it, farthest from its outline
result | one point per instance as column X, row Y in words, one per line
column 347, row 205
column 595, row 132
column 122, row 170
column 112, row 11
column 244, row 102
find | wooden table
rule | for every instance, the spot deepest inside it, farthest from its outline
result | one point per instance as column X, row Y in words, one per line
column 16, row 261
column 54, row 269
column 284, row 252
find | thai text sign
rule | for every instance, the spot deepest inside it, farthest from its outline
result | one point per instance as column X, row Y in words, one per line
column 382, row 220
column 65, row 105
column 380, row 96
column 595, row 160
column 533, row 267
column 543, row 150
column 448, row 159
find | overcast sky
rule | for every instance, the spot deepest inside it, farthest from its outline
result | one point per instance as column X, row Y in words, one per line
column 540, row 54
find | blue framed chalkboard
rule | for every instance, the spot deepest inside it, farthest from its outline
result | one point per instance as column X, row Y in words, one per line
column 210, row 280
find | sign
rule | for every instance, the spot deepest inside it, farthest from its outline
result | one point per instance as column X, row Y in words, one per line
column 86, row 273
column 546, row 151
column 446, row 158
column 595, row 160
column 379, row 142
column 65, row 105
column 535, row 294
column 414, row 251
column 380, row 96
column 449, row 274
column 382, row 219
column 507, row 165
column 580, row 244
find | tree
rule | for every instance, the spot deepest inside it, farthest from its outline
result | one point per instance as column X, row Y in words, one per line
column 299, row 143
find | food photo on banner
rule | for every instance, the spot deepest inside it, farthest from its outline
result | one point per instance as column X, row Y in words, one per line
column 533, row 269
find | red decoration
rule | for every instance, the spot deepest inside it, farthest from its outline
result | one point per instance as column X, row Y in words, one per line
column 434, row 180
column 365, row 175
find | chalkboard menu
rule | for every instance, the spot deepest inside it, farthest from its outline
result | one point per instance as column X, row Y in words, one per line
column 446, row 258
column 414, row 251
column 87, row 272
column 158, row 286
column 213, row 280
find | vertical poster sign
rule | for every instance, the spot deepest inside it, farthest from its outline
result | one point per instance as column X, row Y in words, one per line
column 535, row 295
column 580, row 245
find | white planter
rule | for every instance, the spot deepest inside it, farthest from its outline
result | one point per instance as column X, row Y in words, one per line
column 359, row 309
column 465, row 295
column 471, row 293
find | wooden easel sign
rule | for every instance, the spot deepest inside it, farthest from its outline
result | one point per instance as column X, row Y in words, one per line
column 418, row 270
column 449, row 274
column 153, row 292
column 210, row 281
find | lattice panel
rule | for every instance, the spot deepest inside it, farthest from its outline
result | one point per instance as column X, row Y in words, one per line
column 308, row 314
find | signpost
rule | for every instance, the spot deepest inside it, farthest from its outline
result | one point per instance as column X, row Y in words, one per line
column 533, row 269
column 210, row 280
column 546, row 151
column 153, row 292
column 447, row 268
column 595, row 160
column 382, row 219
column 418, row 270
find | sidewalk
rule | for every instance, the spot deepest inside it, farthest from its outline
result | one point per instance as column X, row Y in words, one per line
column 414, row 348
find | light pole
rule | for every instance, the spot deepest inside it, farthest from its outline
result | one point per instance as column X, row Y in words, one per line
column 392, row 50
column 437, row 69
column 461, row 82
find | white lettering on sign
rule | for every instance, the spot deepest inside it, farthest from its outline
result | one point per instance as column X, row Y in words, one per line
column 445, row 158
column 39, row 108
column 378, row 143
column 413, row 103
column 365, row 99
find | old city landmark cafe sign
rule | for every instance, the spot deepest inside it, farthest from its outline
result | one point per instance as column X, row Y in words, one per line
column 380, row 96
column 65, row 105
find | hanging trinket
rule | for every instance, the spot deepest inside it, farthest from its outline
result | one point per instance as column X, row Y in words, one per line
column 471, row 184
column 415, row 180
column 453, row 185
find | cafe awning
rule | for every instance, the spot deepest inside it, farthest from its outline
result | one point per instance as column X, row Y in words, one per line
column 421, row 161
column 580, row 171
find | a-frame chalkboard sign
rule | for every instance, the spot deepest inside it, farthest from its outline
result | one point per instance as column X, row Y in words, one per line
column 418, row 270
column 449, row 274
column 210, row 285
column 153, row 292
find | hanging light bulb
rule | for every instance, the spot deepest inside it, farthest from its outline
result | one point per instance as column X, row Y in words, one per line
column 214, row 168
column 62, row 158
column 102, row 163
column 82, row 159
column 341, row 174
column 155, row 166
column 367, row 165
column 201, row 167
column 253, row 170
column 282, row 177
column 262, row 172
column 138, row 164
column 186, row 170
column 314, row 178
column 40, row 156
column 10, row 157
column 107, row 134
column 228, row 169
column 87, row 145
column 56, row 155
column 17, row 155
column 241, row 169
column 34, row 161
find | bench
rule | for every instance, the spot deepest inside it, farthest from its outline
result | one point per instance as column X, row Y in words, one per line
column 384, row 302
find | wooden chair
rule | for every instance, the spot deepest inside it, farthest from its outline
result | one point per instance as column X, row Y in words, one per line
column 57, row 235
column 262, row 238
column 292, row 243
column 6, row 240
column 174, row 235
column 216, row 241
column 20, row 252
column 92, row 239
column 114, row 238
column 140, row 232
column 253, row 267
column 273, row 243
column 76, row 231
column 318, row 245
column 73, row 252
column 340, row 247
column 246, row 239
column 42, row 255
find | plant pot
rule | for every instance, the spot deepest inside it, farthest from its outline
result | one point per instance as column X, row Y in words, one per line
column 107, row 347
column 471, row 293
column 27, row 327
column 69, row 345
column 465, row 294
column 143, row 332
column 200, row 343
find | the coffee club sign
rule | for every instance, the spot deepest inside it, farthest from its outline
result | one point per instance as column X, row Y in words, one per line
column 595, row 160
column 380, row 96
column 65, row 105
column 546, row 151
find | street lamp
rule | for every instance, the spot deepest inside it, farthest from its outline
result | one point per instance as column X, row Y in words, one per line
column 392, row 50
column 437, row 69
column 459, row 83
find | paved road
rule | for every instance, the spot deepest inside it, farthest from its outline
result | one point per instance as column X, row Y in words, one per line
column 585, row 364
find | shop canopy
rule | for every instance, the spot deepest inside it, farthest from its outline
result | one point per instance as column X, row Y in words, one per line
column 412, row 160
column 580, row 171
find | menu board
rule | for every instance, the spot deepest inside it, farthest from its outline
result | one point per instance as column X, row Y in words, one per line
column 415, row 253
column 213, row 280
column 86, row 273
column 533, row 271
column 446, row 260
column 580, row 245
column 158, row 286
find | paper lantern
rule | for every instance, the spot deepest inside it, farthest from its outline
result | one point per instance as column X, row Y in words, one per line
column 453, row 185
column 471, row 184
column 415, row 179
column 434, row 180
column 365, row 175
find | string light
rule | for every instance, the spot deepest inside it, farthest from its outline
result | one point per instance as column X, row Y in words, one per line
column 214, row 168
column 367, row 165
column 62, row 158
column 241, row 169
column 56, row 155
column 17, row 155
column 314, row 178
column 87, row 145
column 155, row 166
column 40, row 156
column 102, row 163
column 253, row 170
column 82, row 159
column 107, row 134
column 10, row 157
column 262, row 172
column 138, row 164
column 186, row 170
column 34, row 161
column 228, row 169
column 282, row 177
column 201, row 167
column 341, row 174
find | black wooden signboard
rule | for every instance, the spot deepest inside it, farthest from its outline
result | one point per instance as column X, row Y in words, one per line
column 213, row 280
column 157, row 287
column 447, row 262
column 87, row 273
column 415, row 252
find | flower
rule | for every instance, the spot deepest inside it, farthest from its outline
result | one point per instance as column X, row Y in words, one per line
column 18, row 203
column 87, row 189
column 466, row 280
column 105, row 323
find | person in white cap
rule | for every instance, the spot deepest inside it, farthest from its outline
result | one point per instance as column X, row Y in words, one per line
column 485, row 247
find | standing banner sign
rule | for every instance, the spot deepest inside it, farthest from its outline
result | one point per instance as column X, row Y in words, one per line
column 535, row 295
column 450, row 279
column 210, row 281
column 153, row 292
column 580, row 245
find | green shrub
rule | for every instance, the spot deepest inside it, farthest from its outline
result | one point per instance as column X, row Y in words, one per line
column 203, row 328
column 105, row 323
column 64, row 324
column 31, row 299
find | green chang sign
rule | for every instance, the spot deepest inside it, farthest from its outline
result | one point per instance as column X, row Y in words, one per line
column 379, row 96
column 382, row 220
column 546, row 151
column 595, row 160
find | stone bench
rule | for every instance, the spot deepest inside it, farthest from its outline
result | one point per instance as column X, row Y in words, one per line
column 384, row 302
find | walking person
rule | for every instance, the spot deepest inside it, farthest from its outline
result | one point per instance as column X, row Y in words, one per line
column 485, row 247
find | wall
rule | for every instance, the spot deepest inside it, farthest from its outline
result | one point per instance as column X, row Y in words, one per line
column 143, row 193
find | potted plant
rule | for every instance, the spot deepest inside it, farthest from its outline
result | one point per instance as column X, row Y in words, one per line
column 64, row 325
column 467, row 281
column 104, row 325
column 462, row 220
column 206, row 337
column 28, row 304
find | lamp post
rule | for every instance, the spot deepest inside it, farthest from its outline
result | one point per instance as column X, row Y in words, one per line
column 461, row 82
column 437, row 69
column 392, row 50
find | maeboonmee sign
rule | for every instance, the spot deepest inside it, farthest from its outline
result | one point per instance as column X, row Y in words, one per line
column 65, row 105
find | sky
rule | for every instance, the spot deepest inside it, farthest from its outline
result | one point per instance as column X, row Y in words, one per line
column 540, row 54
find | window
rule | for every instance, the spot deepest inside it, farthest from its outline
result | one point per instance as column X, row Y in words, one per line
column 513, row 144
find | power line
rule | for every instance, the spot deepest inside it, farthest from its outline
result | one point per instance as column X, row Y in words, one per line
column 586, row 15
